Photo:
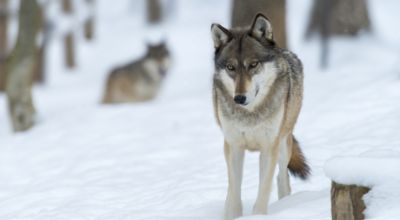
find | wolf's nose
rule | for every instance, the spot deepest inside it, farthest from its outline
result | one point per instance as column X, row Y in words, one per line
column 240, row 99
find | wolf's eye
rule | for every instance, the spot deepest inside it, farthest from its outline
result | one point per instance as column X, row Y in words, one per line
column 254, row 64
column 230, row 67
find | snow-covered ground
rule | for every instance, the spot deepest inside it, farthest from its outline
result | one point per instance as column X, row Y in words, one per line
column 164, row 159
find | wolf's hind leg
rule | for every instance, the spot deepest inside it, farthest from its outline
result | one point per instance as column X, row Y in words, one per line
column 285, row 152
column 234, row 156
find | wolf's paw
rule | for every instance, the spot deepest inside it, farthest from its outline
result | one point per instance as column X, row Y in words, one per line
column 233, row 211
column 260, row 209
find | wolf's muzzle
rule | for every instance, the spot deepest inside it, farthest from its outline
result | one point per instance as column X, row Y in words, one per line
column 240, row 99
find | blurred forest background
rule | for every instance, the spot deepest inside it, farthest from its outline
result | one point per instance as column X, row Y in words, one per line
column 23, row 52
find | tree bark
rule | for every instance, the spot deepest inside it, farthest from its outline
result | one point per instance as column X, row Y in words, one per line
column 340, row 17
column 154, row 12
column 347, row 202
column 69, row 41
column 244, row 11
column 20, row 68
column 3, row 42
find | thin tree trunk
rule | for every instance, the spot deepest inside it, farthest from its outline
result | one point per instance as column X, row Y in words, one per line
column 244, row 11
column 3, row 42
column 69, row 46
column 20, row 68
column 39, row 74
column 89, row 23
column 67, row 6
column 154, row 12
column 342, row 17
column 69, row 41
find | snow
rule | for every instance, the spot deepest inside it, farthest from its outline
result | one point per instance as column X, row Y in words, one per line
column 365, row 171
column 164, row 159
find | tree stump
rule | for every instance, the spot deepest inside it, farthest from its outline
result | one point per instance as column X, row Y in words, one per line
column 347, row 202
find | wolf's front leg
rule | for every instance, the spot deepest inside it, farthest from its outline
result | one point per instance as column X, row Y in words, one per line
column 268, row 159
column 234, row 159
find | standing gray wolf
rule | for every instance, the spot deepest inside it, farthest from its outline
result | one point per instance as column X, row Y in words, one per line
column 140, row 80
column 257, row 96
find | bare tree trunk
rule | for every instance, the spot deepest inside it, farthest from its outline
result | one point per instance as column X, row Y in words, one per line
column 20, row 68
column 337, row 17
column 69, row 46
column 67, row 6
column 347, row 202
column 154, row 12
column 89, row 23
column 69, row 41
column 39, row 75
column 244, row 11
column 342, row 17
column 3, row 42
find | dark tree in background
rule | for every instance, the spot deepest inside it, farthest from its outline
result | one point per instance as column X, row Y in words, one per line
column 154, row 11
column 69, row 41
column 244, row 11
column 339, row 17
column 67, row 6
column 21, row 65
column 3, row 42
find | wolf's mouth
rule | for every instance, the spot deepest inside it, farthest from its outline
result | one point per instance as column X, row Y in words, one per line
column 242, row 104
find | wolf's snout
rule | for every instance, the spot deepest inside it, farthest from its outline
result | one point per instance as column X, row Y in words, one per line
column 240, row 99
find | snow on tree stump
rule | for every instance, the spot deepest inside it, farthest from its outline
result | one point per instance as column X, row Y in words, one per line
column 347, row 202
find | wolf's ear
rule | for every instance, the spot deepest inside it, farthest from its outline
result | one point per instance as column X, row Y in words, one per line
column 261, row 27
column 220, row 35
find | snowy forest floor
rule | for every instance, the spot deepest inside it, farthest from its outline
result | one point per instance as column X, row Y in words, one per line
column 164, row 159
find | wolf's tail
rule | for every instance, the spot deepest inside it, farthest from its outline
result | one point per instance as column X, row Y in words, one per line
column 298, row 166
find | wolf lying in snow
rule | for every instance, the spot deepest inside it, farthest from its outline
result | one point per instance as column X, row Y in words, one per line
column 140, row 80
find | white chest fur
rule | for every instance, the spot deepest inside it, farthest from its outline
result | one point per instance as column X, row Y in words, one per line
column 251, row 136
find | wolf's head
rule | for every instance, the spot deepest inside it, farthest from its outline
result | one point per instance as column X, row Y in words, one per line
column 245, row 59
column 160, row 54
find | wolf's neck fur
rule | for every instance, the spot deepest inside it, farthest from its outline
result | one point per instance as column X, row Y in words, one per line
column 152, row 67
